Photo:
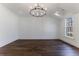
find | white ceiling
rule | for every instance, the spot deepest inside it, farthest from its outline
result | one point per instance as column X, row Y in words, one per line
column 22, row 9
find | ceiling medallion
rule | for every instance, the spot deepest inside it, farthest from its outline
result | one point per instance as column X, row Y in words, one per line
column 38, row 11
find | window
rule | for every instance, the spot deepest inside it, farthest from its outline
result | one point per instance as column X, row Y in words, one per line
column 69, row 27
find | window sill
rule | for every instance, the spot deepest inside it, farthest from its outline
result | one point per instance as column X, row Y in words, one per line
column 69, row 37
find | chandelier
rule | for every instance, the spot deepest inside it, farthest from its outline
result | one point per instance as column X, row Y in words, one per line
column 38, row 11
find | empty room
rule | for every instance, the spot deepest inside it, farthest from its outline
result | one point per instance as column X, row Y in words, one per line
column 39, row 29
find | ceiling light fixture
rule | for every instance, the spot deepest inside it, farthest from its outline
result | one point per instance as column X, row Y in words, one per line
column 38, row 11
column 56, row 13
column 59, row 12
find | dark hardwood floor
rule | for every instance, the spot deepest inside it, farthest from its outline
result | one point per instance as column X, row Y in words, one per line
column 39, row 48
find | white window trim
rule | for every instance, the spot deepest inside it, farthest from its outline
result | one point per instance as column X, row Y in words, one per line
column 65, row 26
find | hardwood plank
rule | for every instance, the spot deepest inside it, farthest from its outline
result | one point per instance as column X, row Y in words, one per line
column 39, row 47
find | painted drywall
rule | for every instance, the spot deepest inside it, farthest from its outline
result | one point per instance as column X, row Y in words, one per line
column 76, row 28
column 75, row 40
column 38, row 28
column 8, row 26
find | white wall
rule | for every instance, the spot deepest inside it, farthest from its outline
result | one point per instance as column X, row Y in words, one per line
column 38, row 28
column 75, row 40
column 8, row 26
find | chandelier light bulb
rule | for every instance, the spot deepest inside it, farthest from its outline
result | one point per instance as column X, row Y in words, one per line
column 45, row 8
column 31, row 7
column 35, row 4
